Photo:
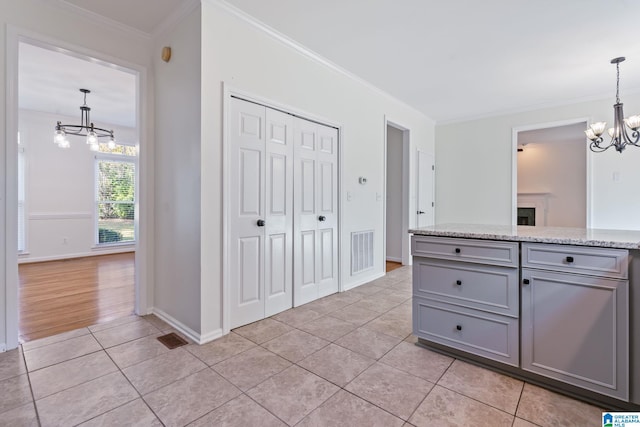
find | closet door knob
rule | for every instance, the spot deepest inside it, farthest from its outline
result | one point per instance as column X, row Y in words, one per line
column 458, row 250
column 260, row 223
column 569, row 259
column 322, row 218
column 525, row 281
column 459, row 327
column 459, row 282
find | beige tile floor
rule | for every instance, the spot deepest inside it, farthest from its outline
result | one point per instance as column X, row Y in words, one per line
column 348, row 359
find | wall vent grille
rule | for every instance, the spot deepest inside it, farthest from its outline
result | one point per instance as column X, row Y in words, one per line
column 361, row 251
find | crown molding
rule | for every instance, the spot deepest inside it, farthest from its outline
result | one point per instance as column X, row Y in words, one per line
column 185, row 8
column 530, row 108
column 96, row 17
column 303, row 50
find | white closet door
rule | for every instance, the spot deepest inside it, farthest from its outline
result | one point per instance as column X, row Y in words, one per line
column 279, row 212
column 247, row 207
column 305, row 288
column 327, row 194
column 315, row 207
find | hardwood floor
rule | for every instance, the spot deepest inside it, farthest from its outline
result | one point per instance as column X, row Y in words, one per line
column 59, row 296
column 392, row 265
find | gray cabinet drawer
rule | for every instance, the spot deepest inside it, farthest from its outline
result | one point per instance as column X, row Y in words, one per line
column 485, row 334
column 482, row 287
column 466, row 250
column 576, row 259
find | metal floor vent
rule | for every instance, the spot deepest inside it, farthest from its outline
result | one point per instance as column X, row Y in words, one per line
column 172, row 340
column 361, row 251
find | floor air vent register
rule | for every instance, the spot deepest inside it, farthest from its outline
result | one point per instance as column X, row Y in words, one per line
column 172, row 340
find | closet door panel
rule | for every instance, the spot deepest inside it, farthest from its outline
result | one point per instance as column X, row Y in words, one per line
column 247, row 206
column 327, row 199
column 305, row 200
column 279, row 212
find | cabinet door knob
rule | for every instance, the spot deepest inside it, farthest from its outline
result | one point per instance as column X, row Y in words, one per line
column 525, row 281
column 459, row 327
column 459, row 282
column 458, row 250
column 260, row 223
column 420, row 212
column 569, row 259
column 322, row 218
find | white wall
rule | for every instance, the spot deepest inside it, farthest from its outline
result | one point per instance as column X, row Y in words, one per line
column 557, row 168
column 474, row 168
column 60, row 196
column 394, row 194
column 49, row 21
column 177, row 165
column 245, row 57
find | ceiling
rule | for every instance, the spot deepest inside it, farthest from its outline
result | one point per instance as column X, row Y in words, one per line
column 452, row 60
column 554, row 135
column 143, row 15
column 50, row 81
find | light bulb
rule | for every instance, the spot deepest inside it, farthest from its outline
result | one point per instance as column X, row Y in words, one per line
column 610, row 132
column 633, row 122
column 112, row 143
column 64, row 144
column 94, row 147
column 92, row 138
column 59, row 136
column 590, row 134
column 598, row 128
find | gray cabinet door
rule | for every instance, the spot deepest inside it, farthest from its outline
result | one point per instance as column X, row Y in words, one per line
column 576, row 329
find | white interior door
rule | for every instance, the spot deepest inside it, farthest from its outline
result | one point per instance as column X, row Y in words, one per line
column 305, row 287
column 425, row 204
column 327, row 203
column 247, row 208
column 316, row 211
column 278, row 251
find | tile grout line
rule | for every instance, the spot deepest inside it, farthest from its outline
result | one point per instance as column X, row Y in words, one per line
column 33, row 398
column 132, row 386
column 102, row 349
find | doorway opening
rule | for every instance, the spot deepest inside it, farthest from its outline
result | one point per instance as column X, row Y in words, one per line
column 551, row 175
column 77, row 208
column 397, row 245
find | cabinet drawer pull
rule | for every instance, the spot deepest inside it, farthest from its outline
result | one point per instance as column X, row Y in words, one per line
column 569, row 259
column 525, row 281
column 458, row 250
column 459, row 282
column 459, row 327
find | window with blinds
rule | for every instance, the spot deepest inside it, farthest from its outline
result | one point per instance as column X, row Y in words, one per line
column 115, row 196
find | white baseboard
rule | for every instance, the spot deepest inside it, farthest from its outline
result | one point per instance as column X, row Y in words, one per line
column 393, row 259
column 363, row 280
column 210, row 336
column 3, row 347
column 97, row 252
column 190, row 333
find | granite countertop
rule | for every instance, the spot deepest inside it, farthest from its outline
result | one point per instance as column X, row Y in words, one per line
column 622, row 239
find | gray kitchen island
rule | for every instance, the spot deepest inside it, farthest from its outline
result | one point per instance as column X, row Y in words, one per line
column 559, row 307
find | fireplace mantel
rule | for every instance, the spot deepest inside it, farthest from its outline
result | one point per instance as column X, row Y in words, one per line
column 538, row 201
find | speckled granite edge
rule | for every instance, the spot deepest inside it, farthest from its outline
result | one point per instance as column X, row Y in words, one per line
column 618, row 239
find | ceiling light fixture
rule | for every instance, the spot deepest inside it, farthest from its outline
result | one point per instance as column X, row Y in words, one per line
column 620, row 137
column 85, row 128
